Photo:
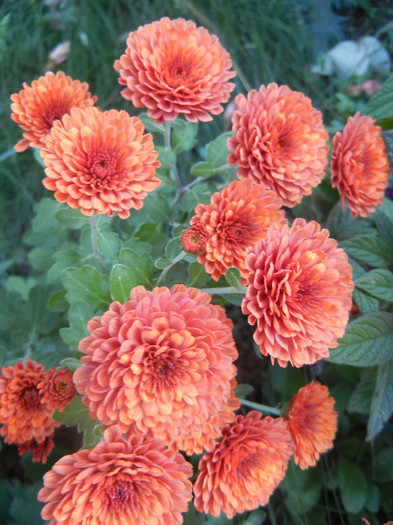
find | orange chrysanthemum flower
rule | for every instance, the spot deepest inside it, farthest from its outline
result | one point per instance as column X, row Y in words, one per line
column 299, row 293
column 100, row 162
column 50, row 97
column 24, row 416
column 161, row 365
column 173, row 67
column 119, row 481
column 312, row 422
column 360, row 166
column 40, row 450
column 235, row 219
column 194, row 239
column 245, row 467
column 57, row 388
column 279, row 140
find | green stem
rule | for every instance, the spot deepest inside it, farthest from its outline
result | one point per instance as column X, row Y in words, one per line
column 94, row 229
column 222, row 168
column 177, row 259
column 168, row 144
column 262, row 408
column 223, row 290
column 7, row 153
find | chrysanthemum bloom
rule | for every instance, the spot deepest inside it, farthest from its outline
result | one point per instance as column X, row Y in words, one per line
column 236, row 218
column 194, row 239
column 360, row 166
column 299, row 293
column 119, row 481
column 36, row 107
column 57, row 388
column 100, row 162
column 245, row 467
column 312, row 422
column 279, row 140
column 23, row 414
column 161, row 365
column 40, row 450
column 173, row 67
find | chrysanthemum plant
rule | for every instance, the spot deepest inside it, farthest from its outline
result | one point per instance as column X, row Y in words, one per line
column 147, row 242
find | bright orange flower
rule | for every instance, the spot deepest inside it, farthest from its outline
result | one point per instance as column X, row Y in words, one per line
column 57, row 388
column 360, row 166
column 235, row 219
column 173, row 67
column 23, row 414
column 299, row 293
column 279, row 140
column 40, row 450
column 312, row 422
column 161, row 365
column 50, row 97
column 194, row 239
column 119, row 481
column 245, row 467
column 100, row 162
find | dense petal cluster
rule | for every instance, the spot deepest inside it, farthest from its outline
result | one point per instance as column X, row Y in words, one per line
column 173, row 67
column 360, row 166
column 299, row 293
column 245, row 467
column 194, row 239
column 57, row 388
column 235, row 219
column 279, row 140
column 100, row 162
column 312, row 422
column 119, row 481
column 161, row 365
column 26, row 420
column 36, row 107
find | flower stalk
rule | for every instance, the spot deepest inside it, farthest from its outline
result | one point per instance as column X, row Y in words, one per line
column 262, row 408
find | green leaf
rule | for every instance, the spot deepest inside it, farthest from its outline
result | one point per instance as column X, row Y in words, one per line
column 385, row 123
column 141, row 265
column 162, row 262
column 360, row 399
column 383, row 218
column 21, row 285
column 378, row 283
column 122, row 280
column 369, row 249
column 173, row 249
column 57, row 302
column 197, row 275
column 73, row 219
column 382, row 401
column 202, row 169
column 71, row 363
column 108, row 244
column 38, row 319
column 365, row 303
column 257, row 517
column 353, row 486
column 302, row 489
column 380, row 105
column 86, row 285
column 185, row 138
column 79, row 314
column 373, row 497
column 233, row 277
column 149, row 124
column 384, row 465
column 217, row 150
column 190, row 201
column 368, row 341
column 167, row 157
column 242, row 390
column 342, row 225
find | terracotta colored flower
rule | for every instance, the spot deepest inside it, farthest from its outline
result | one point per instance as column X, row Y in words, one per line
column 161, row 365
column 194, row 239
column 50, row 97
column 235, row 219
column 299, row 293
column 118, row 482
column 57, row 388
column 100, row 162
column 312, row 422
column 40, row 450
column 245, row 467
column 360, row 166
column 23, row 414
column 173, row 67
column 279, row 140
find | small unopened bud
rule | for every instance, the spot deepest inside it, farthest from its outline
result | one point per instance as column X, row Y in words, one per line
column 194, row 239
